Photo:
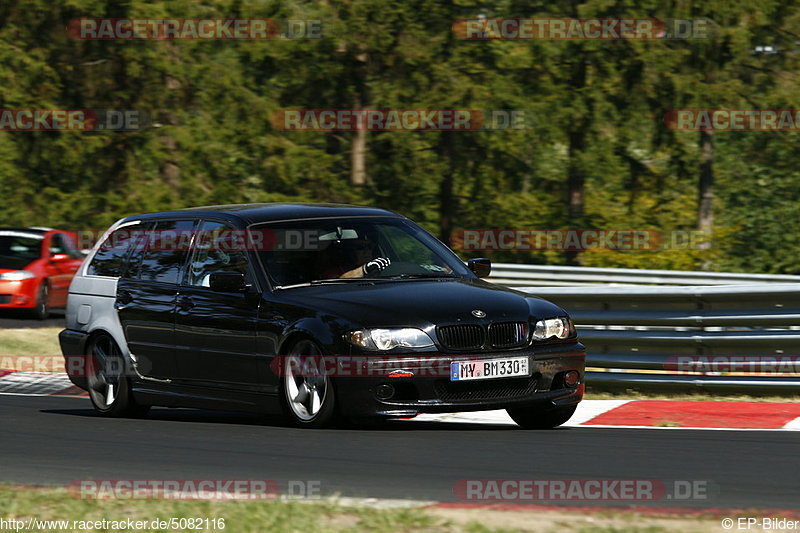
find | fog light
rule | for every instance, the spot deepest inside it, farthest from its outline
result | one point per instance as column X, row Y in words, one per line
column 384, row 391
column 571, row 378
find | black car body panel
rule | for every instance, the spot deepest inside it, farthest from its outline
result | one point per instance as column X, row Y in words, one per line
column 197, row 348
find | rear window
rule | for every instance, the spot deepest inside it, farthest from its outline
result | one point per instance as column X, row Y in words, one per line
column 110, row 257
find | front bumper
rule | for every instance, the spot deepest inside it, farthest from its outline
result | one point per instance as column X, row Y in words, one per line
column 421, row 383
column 18, row 294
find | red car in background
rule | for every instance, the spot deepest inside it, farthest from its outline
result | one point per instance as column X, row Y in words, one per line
column 36, row 268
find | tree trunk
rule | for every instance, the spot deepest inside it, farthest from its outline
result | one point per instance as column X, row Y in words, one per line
column 705, row 212
column 576, row 171
column 576, row 183
column 576, row 178
column 527, row 175
column 358, row 154
column 447, row 200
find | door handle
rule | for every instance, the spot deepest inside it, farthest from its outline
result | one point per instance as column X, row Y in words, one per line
column 185, row 303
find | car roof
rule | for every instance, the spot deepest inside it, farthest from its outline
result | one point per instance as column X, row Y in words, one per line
column 271, row 212
column 33, row 232
column 26, row 229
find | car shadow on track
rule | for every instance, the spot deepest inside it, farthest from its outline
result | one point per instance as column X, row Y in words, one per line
column 245, row 419
column 173, row 415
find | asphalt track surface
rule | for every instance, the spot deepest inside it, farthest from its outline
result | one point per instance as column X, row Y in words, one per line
column 15, row 320
column 51, row 440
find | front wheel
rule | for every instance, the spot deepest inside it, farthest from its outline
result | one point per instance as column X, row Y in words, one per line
column 109, row 387
column 541, row 418
column 308, row 395
column 41, row 310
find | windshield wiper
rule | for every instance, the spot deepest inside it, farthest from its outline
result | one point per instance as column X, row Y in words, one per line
column 422, row 276
column 335, row 280
column 430, row 275
column 324, row 282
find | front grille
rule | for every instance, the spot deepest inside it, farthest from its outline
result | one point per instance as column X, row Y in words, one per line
column 493, row 389
column 508, row 334
column 5, row 298
column 474, row 336
column 462, row 337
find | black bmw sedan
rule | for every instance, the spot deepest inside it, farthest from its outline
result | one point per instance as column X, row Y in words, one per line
column 319, row 312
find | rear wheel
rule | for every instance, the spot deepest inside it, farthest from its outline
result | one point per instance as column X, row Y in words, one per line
column 541, row 418
column 109, row 387
column 308, row 398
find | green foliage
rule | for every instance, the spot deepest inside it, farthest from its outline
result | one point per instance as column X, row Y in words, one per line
column 597, row 109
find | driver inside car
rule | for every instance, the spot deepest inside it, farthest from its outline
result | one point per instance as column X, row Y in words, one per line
column 355, row 258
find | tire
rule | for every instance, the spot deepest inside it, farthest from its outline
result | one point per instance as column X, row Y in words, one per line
column 41, row 309
column 539, row 418
column 108, row 385
column 308, row 401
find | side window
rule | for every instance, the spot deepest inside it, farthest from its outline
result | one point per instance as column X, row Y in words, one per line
column 57, row 244
column 110, row 257
column 137, row 248
column 165, row 251
column 217, row 250
column 61, row 243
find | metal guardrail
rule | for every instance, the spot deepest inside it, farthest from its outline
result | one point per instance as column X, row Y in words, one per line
column 514, row 275
column 745, row 338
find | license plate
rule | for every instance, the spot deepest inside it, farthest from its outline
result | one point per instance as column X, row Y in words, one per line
column 489, row 368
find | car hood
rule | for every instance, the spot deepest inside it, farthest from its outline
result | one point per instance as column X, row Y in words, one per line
column 421, row 302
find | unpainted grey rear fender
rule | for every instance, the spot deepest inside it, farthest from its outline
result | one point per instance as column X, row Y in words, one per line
column 90, row 304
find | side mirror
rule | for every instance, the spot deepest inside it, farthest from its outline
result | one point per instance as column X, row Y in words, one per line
column 227, row 282
column 480, row 266
column 58, row 258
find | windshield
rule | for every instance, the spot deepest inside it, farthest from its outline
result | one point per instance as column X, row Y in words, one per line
column 306, row 251
column 17, row 249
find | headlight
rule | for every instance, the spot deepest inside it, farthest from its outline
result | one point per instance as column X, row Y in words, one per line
column 17, row 275
column 560, row 327
column 386, row 339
